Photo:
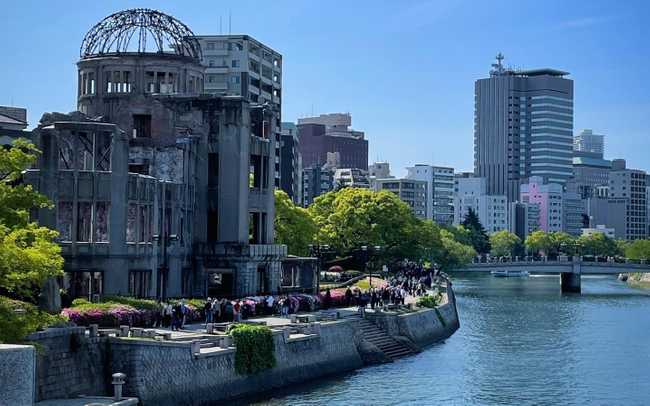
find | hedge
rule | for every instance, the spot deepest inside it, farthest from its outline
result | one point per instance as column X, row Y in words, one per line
column 255, row 349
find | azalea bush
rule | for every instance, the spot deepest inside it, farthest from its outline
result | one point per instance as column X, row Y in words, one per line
column 19, row 319
column 108, row 315
column 255, row 348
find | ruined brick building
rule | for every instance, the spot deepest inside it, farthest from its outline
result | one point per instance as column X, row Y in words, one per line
column 160, row 189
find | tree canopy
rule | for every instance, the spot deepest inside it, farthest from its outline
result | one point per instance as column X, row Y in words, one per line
column 349, row 218
column 478, row 236
column 504, row 243
column 293, row 225
column 28, row 253
column 598, row 244
column 638, row 249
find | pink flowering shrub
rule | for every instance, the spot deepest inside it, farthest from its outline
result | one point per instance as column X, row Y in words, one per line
column 108, row 315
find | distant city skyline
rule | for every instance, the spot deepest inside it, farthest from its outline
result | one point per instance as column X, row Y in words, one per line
column 405, row 71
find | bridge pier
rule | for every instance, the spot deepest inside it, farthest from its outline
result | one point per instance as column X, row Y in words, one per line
column 570, row 282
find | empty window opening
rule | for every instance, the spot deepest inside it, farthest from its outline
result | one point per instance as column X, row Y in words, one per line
column 142, row 125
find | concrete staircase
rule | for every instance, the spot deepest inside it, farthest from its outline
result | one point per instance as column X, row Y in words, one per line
column 392, row 348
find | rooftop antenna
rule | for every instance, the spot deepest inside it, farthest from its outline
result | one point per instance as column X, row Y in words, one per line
column 229, row 22
column 221, row 25
column 497, row 68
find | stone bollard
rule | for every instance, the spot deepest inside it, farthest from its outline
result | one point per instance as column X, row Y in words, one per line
column 196, row 347
column 92, row 330
column 209, row 328
column 124, row 331
column 118, row 381
column 294, row 318
column 338, row 315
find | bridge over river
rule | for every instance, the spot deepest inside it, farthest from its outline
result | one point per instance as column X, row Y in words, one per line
column 569, row 268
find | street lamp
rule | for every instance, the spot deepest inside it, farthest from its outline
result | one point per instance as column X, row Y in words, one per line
column 317, row 251
column 366, row 256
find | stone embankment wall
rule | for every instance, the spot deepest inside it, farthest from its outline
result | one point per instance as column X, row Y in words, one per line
column 422, row 327
column 180, row 373
column 68, row 363
column 171, row 374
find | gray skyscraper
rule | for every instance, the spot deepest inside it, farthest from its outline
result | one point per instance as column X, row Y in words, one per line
column 587, row 141
column 523, row 126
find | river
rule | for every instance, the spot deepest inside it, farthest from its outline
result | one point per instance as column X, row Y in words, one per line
column 521, row 342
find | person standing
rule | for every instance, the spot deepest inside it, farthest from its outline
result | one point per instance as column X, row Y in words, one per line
column 236, row 311
column 207, row 309
column 327, row 300
column 348, row 297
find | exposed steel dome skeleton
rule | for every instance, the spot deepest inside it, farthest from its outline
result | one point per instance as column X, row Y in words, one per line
column 134, row 30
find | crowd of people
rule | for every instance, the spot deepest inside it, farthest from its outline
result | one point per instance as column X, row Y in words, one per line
column 409, row 280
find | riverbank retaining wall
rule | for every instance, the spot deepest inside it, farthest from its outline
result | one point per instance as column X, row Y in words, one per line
column 422, row 327
column 172, row 374
column 69, row 363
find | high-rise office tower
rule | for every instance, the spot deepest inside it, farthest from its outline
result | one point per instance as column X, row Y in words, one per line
column 523, row 127
column 241, row 65
column 587, row 141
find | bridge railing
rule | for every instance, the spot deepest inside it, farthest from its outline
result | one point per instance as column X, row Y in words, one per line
column 487, row 259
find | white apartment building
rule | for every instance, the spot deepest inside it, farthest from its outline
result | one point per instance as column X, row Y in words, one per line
column 412, row 192
column 492, row 210
column 440, row 190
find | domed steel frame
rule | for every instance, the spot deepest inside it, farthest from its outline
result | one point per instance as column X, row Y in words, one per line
column 114, row 34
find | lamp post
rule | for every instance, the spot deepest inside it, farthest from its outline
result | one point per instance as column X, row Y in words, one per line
column 366, row 257
column 317, row 250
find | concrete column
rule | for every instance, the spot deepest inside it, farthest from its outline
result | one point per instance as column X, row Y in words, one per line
column 17, row 374
column 570, row 282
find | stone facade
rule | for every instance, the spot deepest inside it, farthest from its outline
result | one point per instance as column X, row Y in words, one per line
column 160, row 190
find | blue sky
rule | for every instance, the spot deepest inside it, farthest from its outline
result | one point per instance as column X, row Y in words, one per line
column 404, row 69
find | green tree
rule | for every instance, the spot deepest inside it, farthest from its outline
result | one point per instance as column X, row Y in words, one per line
column 293, row 225
column 598, row 244
column 28, row 253
column 478, row 236
column 504, row 243
column 351, row 217
column 454, row 254
column 638, row 249
column 562, row 243
column 538, row 241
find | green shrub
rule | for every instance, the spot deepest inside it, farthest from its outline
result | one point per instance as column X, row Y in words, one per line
column 142, row 304
column 255, row 348
column 80, row 301
column 429, row 301
column 19, row 319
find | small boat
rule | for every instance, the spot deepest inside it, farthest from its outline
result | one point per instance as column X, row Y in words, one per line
column 508, row 274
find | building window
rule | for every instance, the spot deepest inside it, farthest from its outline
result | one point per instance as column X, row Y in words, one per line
column 131, row 222
column 139, row 283
column 234, row 79
column 235, row 63
column 142, row 125
column 84, row 284
column 102, row 215
column 64, row 221
column 84, row 221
